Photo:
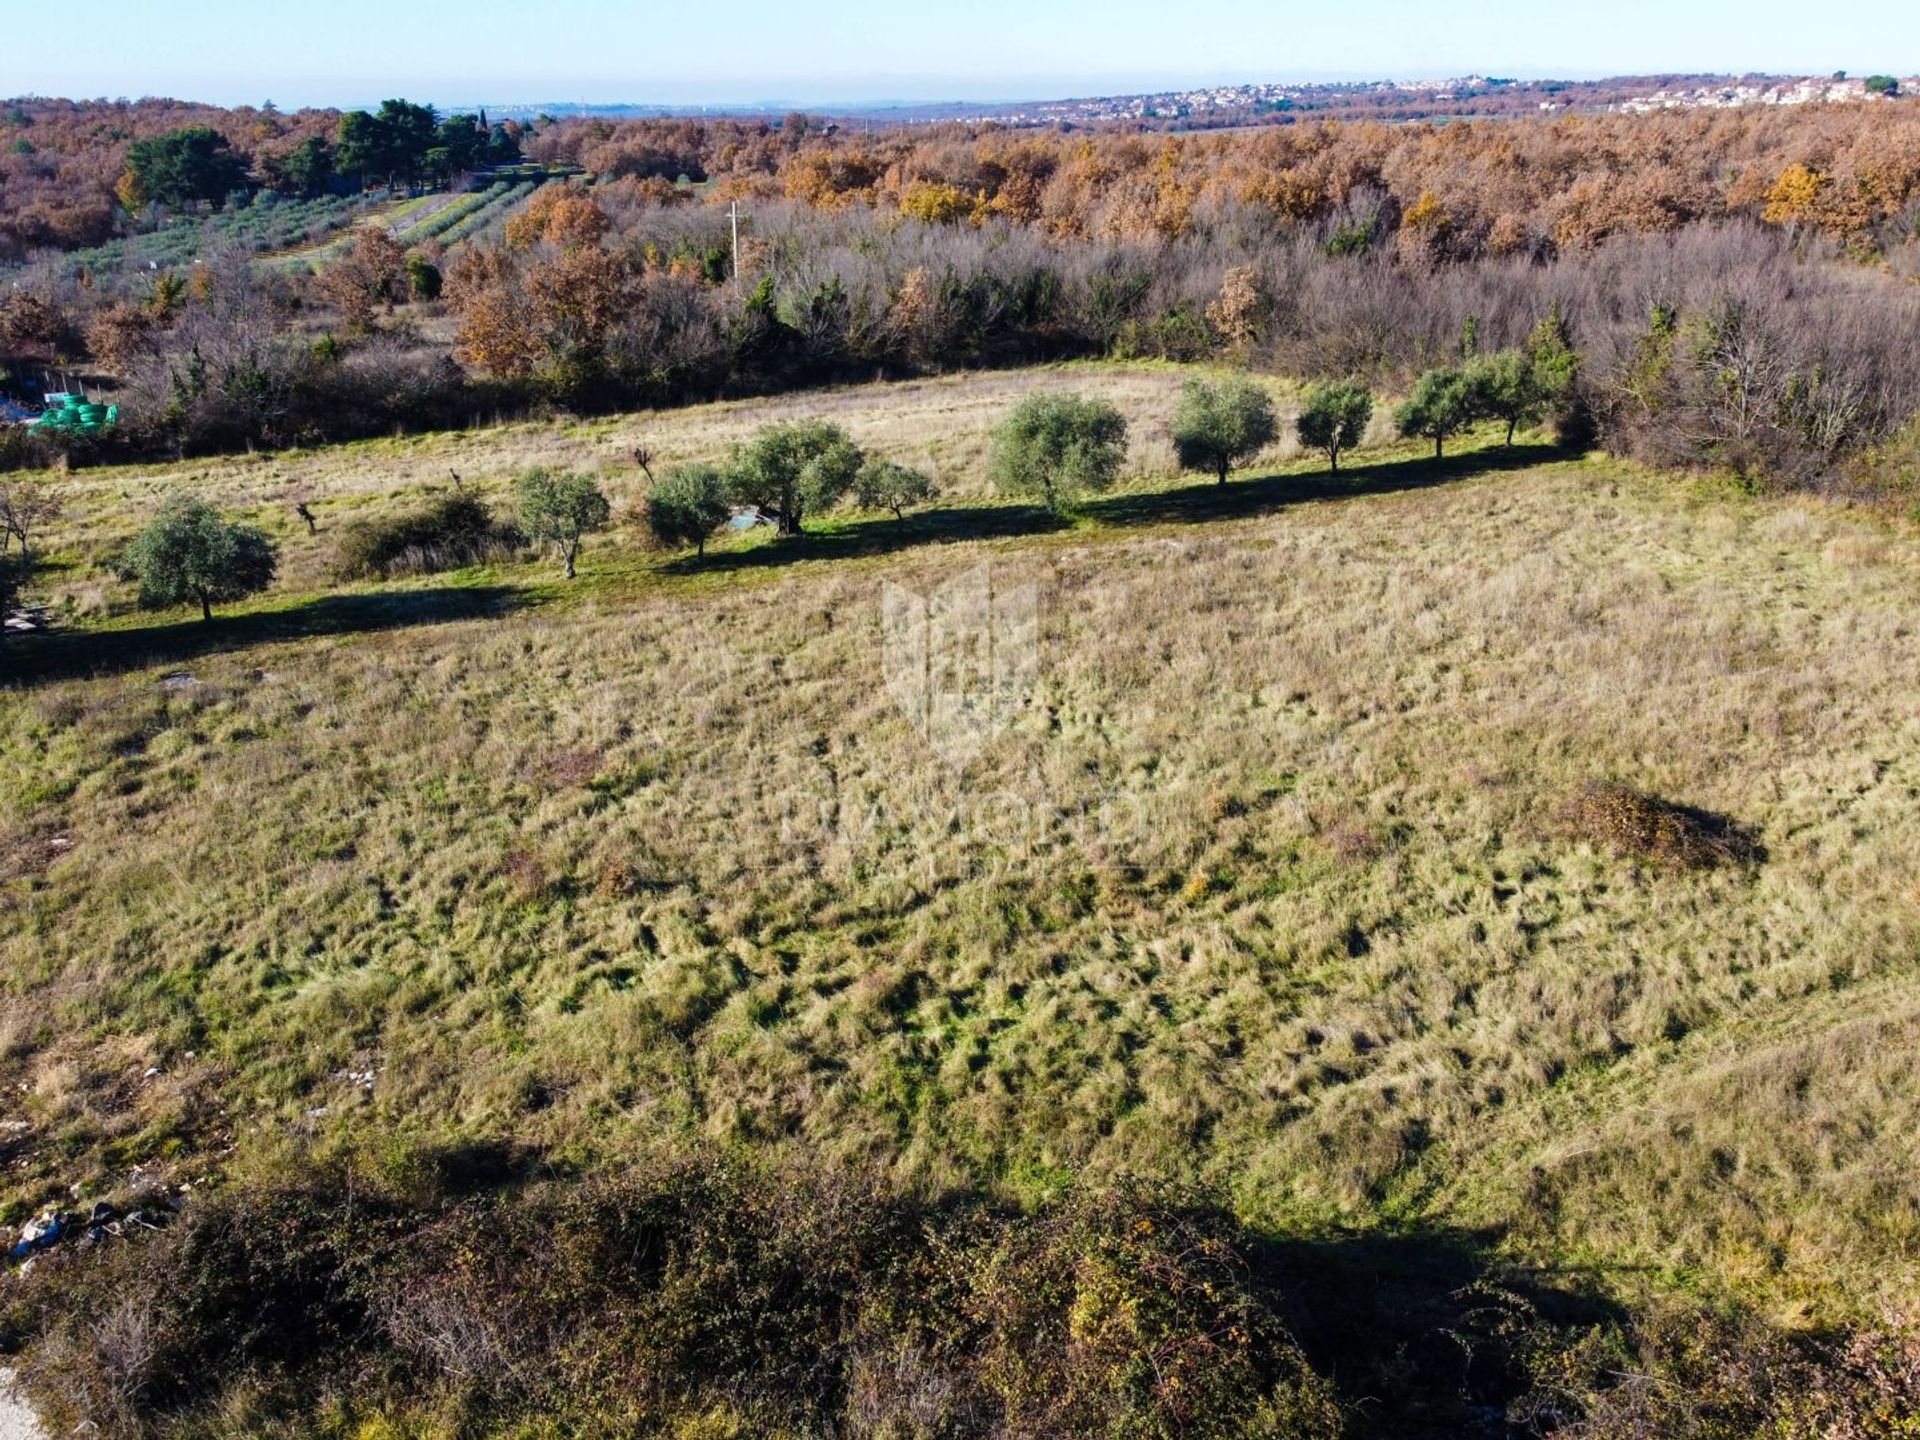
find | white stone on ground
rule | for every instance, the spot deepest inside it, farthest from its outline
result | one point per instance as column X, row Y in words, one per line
column 17, row 1421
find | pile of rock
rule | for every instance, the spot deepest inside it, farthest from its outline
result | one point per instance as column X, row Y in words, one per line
column 26, row 620
column 82, row 1232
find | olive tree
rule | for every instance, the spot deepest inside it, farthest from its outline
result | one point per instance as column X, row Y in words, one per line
column 1054, row 448
column 1216, row 427
column 26, row 505
column 686, row 505
column 883, row 485
column 561, row 507
column 787, row 470
column 1500, row 387
column 189, row 553
column 1333, row 417
column 1440, row 406
column 1521, row 387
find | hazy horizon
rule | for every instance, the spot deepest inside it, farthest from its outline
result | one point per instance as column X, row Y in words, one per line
column 985, row 93
column 867, row 53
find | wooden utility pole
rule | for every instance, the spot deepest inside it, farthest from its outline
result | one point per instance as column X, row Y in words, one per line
column 733, row 213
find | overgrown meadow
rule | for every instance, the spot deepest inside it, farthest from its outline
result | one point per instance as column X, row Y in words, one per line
column 1301, row 905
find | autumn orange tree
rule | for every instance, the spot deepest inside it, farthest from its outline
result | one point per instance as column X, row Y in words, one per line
column 372, row 274
column 540, row 306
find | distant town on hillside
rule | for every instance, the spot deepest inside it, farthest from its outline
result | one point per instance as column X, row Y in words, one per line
column 1216, row 106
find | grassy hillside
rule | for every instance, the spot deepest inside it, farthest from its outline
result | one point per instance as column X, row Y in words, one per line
column 1284, row 879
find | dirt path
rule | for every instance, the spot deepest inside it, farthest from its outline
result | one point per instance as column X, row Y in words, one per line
column 17, row 1421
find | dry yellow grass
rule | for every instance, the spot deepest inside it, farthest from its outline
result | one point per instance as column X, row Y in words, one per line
column 1265, row 882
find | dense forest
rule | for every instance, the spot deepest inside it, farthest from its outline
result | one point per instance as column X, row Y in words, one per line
column 1739, row 283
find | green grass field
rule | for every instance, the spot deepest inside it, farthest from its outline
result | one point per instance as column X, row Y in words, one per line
column 1274, row 881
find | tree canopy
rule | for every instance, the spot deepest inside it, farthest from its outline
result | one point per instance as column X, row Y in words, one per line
column 1334, row 415
column 561, row 507
column 790, row 469
column 1055, row 448
column 885, row 485
column 184, row 167
column 1216, row 427
column 390, row 145
column 686, row 505
column 1440, row 406
column 190, row 553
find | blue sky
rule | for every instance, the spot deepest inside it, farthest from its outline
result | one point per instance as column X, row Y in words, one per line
column 827, row 51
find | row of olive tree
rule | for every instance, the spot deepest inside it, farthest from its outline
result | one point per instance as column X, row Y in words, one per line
column 191, row 554
column 782, row 475
column 1052, row 449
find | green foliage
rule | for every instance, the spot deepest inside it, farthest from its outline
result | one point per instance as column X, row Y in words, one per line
column 1216, row 427
column 459, row 145
column 424, row 280
column 1882, row 85
column 1351, row 239
column 189, row 553
column 1521, row 387
column 391, row 145
column 1501, row 386
column 792, row 469
column 1127, row 1314
column 561, row 507
column 185, row 166
column 1334, row 415
column 692, row 1298
column 448, row 533
column 885, row 485
column 1177, row 333
column 303, row 172
column 1440, row 406
column 687, row 505
column 1556, row 364
column 1055, row 448
column 699, row 1298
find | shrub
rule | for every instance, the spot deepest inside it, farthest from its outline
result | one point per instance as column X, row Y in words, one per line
column 1055, row 448
column 1129, row 1312
column 1633, row 823
column 189, row 553
column 424, row 279
column 702, row 1297
column 1333, row 417
column 446, row 534
column 1216, row 427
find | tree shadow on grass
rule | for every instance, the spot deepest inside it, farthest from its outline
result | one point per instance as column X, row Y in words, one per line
column 1194, row 504
column 1239, row 499
column 75, row 654
column 1423, row 1333
column 866, row 538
